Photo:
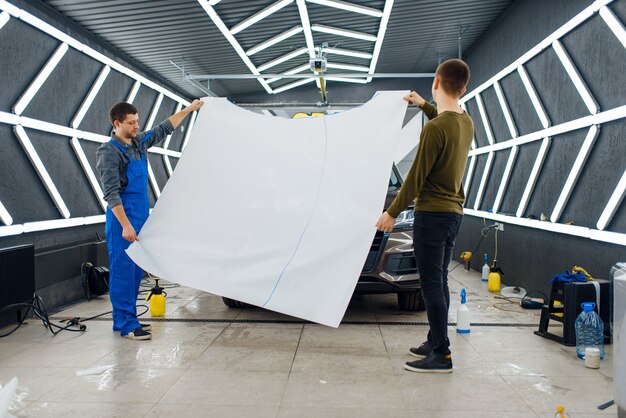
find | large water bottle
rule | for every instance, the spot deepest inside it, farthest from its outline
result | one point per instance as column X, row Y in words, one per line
column 589, row 331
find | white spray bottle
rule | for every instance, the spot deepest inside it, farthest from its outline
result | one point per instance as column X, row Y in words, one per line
column 486, row 270
column 463, row 316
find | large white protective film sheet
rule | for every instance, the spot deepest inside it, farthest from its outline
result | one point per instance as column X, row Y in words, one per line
column 275, row 212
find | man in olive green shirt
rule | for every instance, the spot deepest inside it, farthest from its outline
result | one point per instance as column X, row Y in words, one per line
column 435, row 184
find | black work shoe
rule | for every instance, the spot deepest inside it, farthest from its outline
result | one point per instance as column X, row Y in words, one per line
column 421, row 351
column 138, row 334
column 145, row 327
column 433, row 363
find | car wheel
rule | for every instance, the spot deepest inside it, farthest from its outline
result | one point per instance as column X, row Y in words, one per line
column 232, row 303
column 411, row 301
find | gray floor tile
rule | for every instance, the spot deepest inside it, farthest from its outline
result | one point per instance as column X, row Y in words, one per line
column 198, row 410
column 245, row 358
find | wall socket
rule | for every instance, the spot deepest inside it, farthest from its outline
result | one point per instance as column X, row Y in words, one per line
column 499, row 226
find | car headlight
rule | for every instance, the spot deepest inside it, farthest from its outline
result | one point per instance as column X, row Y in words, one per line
column 404, row 220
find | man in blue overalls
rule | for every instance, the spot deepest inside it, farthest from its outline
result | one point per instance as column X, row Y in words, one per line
column 123, row 166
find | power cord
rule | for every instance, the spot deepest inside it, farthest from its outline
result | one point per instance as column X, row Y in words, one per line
column 483, row 233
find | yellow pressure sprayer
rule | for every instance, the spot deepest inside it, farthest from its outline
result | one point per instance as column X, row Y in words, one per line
column 157, row 300
column 494, row 278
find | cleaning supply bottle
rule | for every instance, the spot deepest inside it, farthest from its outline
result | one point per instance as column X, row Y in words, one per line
column 560, row 412
column 485, row 275
column 463, row 316
column 493, row 280
column 589, row 329
column 157, row 300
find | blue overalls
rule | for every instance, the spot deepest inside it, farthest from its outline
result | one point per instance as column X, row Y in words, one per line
column 125, row 276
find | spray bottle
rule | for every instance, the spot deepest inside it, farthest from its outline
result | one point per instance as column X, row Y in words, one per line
column 485, row 274
column 157, row 300
column 463, row 316
column 560, row 412
column 494, row 279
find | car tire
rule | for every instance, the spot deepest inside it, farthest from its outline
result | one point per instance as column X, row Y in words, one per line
column 232, row 303
column 411, row 301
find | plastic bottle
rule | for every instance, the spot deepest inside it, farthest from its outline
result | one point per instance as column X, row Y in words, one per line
column 157, row 300
column 589, row 331
column 494, row 280
column 463, row 316
column 560, row 412
column 485, row 275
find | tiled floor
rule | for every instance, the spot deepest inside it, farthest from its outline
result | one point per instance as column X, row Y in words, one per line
column 243, row 368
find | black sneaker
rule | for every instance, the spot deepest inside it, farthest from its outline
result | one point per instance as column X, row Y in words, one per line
column 138, row 334
column 421, row 351
column 433, row 363
column 145, row 327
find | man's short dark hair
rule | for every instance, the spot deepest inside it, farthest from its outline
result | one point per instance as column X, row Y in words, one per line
column 453, row 75
column 120, row 110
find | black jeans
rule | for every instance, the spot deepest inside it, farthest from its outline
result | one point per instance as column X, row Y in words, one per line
column 434, row 234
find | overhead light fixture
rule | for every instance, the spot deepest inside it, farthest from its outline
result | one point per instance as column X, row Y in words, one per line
column 574, row 75
column 217, row 20
column 577, row 167
column 534, row 97
column 4, row 18
column 382, row 29
column 153, row 113
column 483, row 118
column 91, row 177
column 483, row 181
column 348, row 53
column 214, row 2
column 273, row 41
column 41, row 171
column 349, row 67
column 614, row 201
column 614, row 24
column 282, row 59
column 350, row 7
column 133, row 92
column 532, row 179
column 293, row 85
column 344, row 32
column 90, row 96
column 505, row 179
column 346, row 79
column 40, row 79
column 5, row 217
column 293, row 71
column 260, row 16
column 306, row 25
column 505, row 110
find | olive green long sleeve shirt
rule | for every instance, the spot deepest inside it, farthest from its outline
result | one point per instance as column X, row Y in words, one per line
column 435, row 179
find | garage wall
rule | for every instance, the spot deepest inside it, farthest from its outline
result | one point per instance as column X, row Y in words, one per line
column 530, row 257
column 25, row 51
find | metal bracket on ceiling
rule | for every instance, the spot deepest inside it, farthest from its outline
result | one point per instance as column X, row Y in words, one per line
column 462, row 30
column 186, row 77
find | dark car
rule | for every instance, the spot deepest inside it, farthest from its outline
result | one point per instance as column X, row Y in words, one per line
column 390, row 265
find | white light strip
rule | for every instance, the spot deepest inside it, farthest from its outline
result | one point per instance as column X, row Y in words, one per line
column 559, row 33
column 282, row 59
column 614, row 24
column 93, row 181
column 133, row 92
column 532, row 179
column 5, row 217
column 90, row 97
column 166, row 144
column 9, row 118
column 55, row 33
column 153, row 181
column 613, row 204
column 290, row 72
column 468, row 177
column 41, row 170
column 505, row 110
column 155, row 110
column 580, row 161
column 483, row 117
column 584, row 122
column 6, row 231
column 350, row 7
column 41, row 125
column 473, row 146
column 344, row 32
column 217, row 20
column 306, row 25
column 192, row 120
column 348, row 53
column 534, row 97
column 11, row 230
column 505, row 179
column 161, row 151
column 347, row 80
column 4, row 18
column 483, row 181
column 349, row 67
column 268, row 11
column 168, row 166
column 273, row 41
column 214, row 2
column 382, row 29
column 293, row 85
column 574, row 75
column 40, row 79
